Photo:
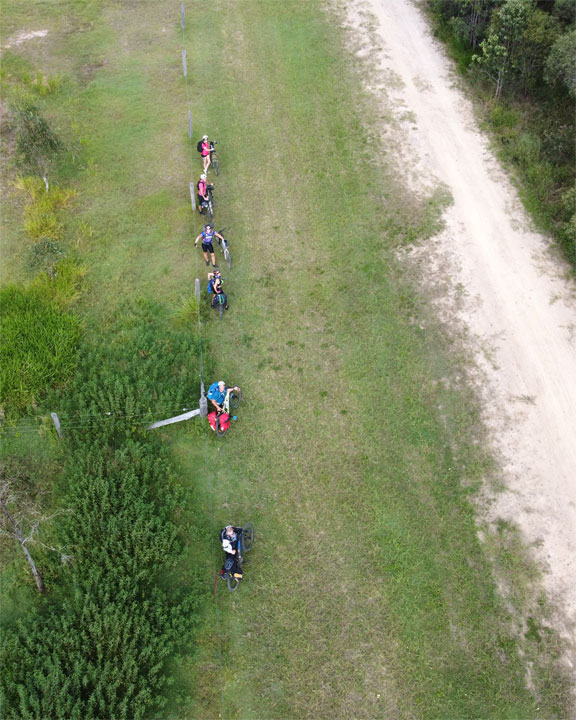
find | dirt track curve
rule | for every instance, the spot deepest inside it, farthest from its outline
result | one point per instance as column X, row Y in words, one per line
column 502, row 285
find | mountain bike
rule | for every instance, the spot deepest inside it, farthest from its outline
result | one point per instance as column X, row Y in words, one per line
column 207, row 206
column 231, row 402
column 224, row 247
column 213, row 157
column 245, row 542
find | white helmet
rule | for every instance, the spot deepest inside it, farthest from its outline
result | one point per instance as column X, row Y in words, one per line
column 202, row 177
column 204, row 137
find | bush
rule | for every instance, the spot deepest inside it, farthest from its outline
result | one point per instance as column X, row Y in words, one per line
column 502, row 118
column 98, row 649
column 36, row 142
column 45, row 255
column 40, row 217
column 525, row 149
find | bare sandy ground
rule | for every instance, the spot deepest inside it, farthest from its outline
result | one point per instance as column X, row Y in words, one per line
column 500, row 281
column 23, row 37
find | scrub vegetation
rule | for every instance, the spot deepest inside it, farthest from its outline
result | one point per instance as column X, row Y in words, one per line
column 519, row 58
column 358, row 453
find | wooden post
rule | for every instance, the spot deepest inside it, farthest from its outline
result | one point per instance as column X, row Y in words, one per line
column 190, row 124
column 56, row 421
column 192, row 196
column 184, row 64
column 203, row 400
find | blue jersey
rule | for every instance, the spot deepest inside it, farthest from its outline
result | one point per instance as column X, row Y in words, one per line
column 207, row 236
column 214, row 393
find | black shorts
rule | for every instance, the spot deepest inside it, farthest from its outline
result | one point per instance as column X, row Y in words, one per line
column 208, row 248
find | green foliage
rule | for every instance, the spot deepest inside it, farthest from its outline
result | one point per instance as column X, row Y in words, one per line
column 527, row 51
column 36, row 142
column 561, row 63
column 41, row 216
column 63, row 283
column 38, row 344
column 98, row 650
column 501, row 50
column 45, row 255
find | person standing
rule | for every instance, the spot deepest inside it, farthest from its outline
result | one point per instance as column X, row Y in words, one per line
column 207, row 236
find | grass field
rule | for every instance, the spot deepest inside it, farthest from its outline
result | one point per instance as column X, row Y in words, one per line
column 358, row 451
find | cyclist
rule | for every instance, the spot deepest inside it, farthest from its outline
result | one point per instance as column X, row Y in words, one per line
column 207, row 235
column 205, row 152
column 229, row 539
column 218, row 392
column 202, row 188
column 215, row 286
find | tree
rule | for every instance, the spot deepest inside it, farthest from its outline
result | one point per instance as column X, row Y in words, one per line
column 561, row 67
column 478, row 18
column 20, row 521
column 542, row 30
column 501, row 51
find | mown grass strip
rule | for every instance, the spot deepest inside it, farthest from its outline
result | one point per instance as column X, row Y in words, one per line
column 368, row 593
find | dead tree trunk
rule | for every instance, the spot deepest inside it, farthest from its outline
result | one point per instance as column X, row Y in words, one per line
column 19, row 536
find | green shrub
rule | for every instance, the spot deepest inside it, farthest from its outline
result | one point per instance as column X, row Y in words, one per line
column 45, row 255
column 36, row 142
column 502, row 118
column 525, row 149
column 41, row 213
column 63, row 283
column 38, row 344
column 97, row 649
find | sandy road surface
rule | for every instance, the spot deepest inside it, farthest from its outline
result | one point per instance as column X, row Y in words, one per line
column 519, row 312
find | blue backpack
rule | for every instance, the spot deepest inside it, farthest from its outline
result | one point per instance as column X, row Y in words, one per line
column 212, row 390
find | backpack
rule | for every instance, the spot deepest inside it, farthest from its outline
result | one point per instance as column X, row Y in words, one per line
column 199, row 146
column 225, row 421
column 212, row 390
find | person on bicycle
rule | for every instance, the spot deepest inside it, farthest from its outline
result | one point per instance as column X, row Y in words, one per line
column 218, row 392
column 202, row 188
column 229, row 538
column 215, row 287
column 205, row 152
column 207, row 235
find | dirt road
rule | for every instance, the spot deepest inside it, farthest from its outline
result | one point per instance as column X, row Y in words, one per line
column 501, row 283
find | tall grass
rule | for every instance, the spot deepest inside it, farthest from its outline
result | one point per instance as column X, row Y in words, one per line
column 39, row 341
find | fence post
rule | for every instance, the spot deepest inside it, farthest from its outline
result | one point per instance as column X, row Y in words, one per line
column 192, row 196
column 190, row 124
column 203, row 401
column 56, row 421
column 182, row 16
column 184, row 64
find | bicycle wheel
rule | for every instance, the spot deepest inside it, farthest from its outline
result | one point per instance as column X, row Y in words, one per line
column 220, row 309
column 235, row 398
column 232, row 582
column 228, row 258
column 215, row 163
column 219, row 430
column 248, row 536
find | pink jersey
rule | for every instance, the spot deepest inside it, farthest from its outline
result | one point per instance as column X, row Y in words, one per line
column 205, row 148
